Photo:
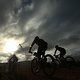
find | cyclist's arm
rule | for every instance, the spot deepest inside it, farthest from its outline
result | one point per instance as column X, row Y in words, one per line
column 55, row 52
column 30, row 49
column 31, row 46
column 33, row 43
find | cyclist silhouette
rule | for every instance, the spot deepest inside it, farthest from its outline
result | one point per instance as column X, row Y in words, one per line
column 61, row 50
column 42, row 46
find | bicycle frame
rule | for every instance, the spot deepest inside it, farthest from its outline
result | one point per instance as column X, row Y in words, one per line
column 59, row 60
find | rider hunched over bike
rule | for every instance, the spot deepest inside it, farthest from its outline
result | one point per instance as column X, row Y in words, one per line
column 42, row 46
column 61, row 50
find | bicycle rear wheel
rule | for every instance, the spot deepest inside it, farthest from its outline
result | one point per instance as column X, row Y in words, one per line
column 35, row 66
column 49, row 65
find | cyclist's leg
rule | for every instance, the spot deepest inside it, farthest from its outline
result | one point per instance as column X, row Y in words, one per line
column 43, row 50
column 43, row 53
column 62, row 57
column 39, row 53
column 62, row 54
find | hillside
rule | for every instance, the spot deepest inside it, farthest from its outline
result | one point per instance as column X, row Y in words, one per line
column 24, row 73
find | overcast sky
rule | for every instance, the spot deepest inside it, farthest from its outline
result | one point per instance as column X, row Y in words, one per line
column 55, row 21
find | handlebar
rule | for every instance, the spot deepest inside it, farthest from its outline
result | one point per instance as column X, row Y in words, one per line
column 34, row 53
column 56, row 56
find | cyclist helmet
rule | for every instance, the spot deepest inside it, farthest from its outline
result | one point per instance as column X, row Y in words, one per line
column 56, row 46
column 37, row 38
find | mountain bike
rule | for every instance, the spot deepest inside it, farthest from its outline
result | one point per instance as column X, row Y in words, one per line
column 45, row 63
column 64, row 61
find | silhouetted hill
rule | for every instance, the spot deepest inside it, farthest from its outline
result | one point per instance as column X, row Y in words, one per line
column 24, row 73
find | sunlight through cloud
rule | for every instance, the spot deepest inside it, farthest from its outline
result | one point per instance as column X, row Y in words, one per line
column 11, row 45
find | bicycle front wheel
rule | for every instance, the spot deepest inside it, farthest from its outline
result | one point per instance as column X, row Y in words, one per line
column 49, row 65
column 35, row 66
column 69, row 61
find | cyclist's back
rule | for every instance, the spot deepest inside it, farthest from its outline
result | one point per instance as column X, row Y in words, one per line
column 61, row 50
column 42, row 45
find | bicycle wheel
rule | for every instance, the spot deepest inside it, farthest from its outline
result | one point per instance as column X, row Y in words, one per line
column 57, row 62
column 35, row 66
column 49, row 65
column 69, row 61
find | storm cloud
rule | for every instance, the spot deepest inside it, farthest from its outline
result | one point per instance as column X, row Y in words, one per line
column 55, row 21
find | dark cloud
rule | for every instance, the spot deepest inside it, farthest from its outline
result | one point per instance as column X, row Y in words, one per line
column 65, row 22
column 55, row 21
column 62, row 22
column 5, row 8
column 72, row 39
